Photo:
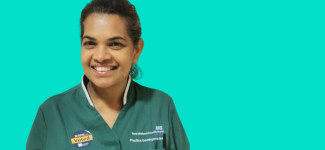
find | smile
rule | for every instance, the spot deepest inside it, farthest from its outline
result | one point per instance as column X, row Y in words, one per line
column 104, row 70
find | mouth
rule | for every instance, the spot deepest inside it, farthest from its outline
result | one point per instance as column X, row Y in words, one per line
column 103, row 69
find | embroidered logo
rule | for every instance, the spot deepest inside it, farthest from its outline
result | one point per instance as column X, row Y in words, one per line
column 81, row 139
column 160, row 131
column 159, row 128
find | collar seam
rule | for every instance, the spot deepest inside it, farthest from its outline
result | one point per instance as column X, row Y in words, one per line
column 89, row 99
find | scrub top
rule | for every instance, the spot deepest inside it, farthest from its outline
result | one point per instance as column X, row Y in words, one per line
column 69, row 121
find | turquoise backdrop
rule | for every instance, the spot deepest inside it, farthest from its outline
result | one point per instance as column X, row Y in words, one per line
column 244, row 75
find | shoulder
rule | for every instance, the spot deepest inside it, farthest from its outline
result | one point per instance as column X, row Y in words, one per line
column 56, row 101
column 154, row 95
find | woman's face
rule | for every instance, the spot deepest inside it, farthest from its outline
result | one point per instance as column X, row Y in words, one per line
column 107, row 50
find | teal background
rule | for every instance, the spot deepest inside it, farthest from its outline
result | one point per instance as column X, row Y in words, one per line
column 244, row 75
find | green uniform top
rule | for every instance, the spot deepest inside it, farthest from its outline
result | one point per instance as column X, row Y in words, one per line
column 69, row 121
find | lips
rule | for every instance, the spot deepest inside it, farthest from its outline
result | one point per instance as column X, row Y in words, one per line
column 103, row 69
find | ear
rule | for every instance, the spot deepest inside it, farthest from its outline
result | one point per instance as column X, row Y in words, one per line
column 137, row 50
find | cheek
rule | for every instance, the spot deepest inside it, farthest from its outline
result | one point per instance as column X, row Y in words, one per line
column 125, row 61
column 85, row 57
column 123, row 57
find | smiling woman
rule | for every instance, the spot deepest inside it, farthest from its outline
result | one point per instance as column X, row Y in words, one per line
column 108, row 110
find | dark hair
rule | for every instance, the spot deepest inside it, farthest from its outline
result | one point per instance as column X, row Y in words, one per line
column 124, row 9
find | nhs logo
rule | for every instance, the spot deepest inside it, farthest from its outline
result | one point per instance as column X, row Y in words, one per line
column 159, row 128
column 159, row 131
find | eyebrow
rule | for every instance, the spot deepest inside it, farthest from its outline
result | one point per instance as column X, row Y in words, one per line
column 110, row 39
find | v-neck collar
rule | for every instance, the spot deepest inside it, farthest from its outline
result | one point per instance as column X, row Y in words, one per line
column 85, row 80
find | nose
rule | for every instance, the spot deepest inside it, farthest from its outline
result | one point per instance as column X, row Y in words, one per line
column 101, row 54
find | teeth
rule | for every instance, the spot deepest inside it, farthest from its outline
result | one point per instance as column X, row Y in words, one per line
column 103, row 68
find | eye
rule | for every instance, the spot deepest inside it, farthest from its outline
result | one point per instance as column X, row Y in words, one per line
column 89, row 44
column 116, row 45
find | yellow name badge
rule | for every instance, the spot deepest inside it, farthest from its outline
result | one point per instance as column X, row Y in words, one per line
column 82, row 139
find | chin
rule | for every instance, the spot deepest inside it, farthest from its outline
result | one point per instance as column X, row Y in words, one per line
column 103, row 84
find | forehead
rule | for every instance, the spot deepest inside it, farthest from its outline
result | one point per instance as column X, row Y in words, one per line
column 103, row 26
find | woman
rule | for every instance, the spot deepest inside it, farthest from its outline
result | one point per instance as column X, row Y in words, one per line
column 108, row 110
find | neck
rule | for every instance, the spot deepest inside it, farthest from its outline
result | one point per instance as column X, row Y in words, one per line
column 110, row 96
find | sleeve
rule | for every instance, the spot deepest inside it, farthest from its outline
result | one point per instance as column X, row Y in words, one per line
column 37, row 136
column 177, row 137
